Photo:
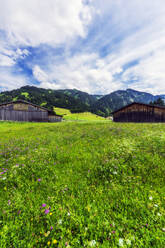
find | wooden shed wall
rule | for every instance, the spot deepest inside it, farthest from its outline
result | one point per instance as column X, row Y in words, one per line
column 54, row 118
column 22, row 112
column 140, row 113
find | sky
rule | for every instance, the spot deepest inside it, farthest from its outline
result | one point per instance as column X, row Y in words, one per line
column 96, row 46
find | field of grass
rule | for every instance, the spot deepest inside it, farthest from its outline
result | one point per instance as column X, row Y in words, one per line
column 86, row 116
column 82, row 184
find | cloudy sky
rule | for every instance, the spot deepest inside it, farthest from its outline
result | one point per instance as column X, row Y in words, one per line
column 97, row 46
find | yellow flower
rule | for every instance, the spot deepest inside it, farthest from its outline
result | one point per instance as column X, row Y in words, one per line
column 54, row 241
column 48, row 243
column 50, row 213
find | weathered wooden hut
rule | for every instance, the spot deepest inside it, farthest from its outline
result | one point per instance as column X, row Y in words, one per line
column 139, row 112
column 25, row 111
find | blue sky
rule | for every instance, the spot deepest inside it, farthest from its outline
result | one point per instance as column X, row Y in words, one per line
column 97, row 46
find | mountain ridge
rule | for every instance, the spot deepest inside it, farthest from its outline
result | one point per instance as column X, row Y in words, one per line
column 79, row 101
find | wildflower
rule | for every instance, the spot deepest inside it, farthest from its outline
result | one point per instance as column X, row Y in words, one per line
column 128, row 242
column 51, row 228
column 60, row 222
column 9, row 202
column 163, row 229
column 150, row 198
column 54, row 241
column 155, row 205
column 48, row 243
column 3, row 178
column 50, row 213
column 46, row 211
column 68, row 214
column 39, row 180
column 159, row 214
column 113, row 232
column 121, row 242
column 92, row 243
column 43, row 205
column 47, row 234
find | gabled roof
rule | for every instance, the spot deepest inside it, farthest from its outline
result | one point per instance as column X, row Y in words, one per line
column 139, row 103
column 32, row 104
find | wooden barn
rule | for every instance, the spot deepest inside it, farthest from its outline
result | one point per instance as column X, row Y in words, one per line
column 139, row 112
column 25, row 111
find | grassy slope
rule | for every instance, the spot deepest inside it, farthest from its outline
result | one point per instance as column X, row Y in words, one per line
column 86, row 116
column 103, row 181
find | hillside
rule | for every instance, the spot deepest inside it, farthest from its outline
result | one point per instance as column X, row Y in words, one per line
column 81, row 96
column 78, row 101
column 45, row 98
column 85, row 116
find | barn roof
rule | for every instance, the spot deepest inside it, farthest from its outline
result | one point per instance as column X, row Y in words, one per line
column 35, row 105
column 139, row 103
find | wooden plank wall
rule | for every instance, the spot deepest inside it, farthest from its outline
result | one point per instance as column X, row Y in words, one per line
column 140, row 113
column 13, row 115
column 23, row 112
column 54, row 118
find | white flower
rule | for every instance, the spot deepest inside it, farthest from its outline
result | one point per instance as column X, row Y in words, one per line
column 92, row 243
column 115, row 172
column 3, row 178
column 150, row 198
column 163, row 229
column 156, row 205
column 60, row 222
column 68, row 214
column 159, row 214
column 121, row 242
column 128, row 242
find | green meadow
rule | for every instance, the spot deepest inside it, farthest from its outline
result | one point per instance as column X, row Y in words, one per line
column 85, row 116
column 82, row 184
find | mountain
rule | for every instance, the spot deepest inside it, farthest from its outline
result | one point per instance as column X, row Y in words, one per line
column 45, row 98
column 120, row 98
column 78, row 101
column 82, row 96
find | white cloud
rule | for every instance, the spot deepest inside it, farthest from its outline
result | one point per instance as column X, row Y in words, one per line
column 10, row 81
column 53, row 22
column 6, row 61
column 85, row 72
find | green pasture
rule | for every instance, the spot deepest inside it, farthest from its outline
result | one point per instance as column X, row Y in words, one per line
column 85, row 116
column 82, row 184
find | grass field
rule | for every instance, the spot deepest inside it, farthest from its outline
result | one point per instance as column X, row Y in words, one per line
column 85, row 116
column 82, row 184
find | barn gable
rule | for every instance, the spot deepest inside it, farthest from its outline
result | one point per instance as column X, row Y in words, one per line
column 139, row 112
